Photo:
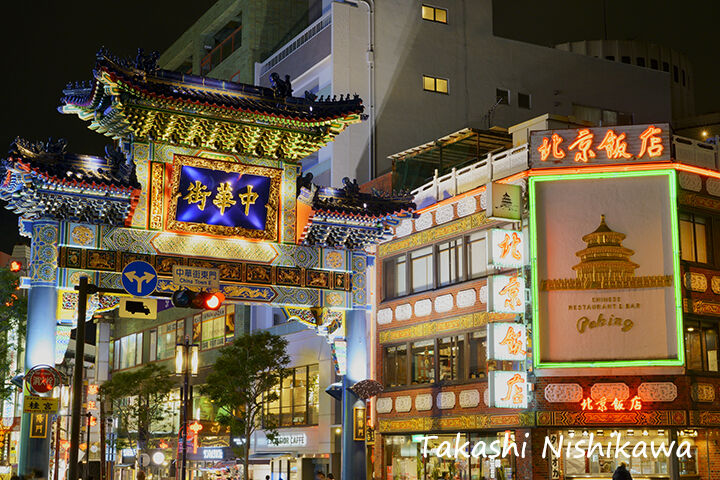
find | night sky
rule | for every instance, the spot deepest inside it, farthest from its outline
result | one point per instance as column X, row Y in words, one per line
column 50, row 43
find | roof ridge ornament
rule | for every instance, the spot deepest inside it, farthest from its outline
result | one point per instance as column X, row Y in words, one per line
column 26, row 148
column 282, row 88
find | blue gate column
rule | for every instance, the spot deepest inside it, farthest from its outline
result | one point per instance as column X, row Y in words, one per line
column 34, row 453
column 353, row 451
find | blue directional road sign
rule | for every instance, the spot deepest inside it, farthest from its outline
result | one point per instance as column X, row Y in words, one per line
column 139, row 278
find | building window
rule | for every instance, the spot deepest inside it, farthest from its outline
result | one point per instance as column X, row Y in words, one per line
column 169, row 335
column 625, row 59
column 450, row 262
column 434, row 14
column 128, row 351
column 523, row 100
column 395, row 365
column 298, row 399
column 600, row 116
column 153, row 345
column 610, row 57
column 421, row 269
column 434, row 84
column 694, row 238
column 451, row 358
column 654, row 63
column 666, row 67
column 395, row 277
column 217, row 327
column 477, row 255
column 701, row 347
column 640, row 61
column 423, row 361
column 477, row 354
column 502, row 96
column 676, row 75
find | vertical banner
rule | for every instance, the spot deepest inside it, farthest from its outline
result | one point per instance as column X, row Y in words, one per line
column 504, row 201
column 508, row 389
column 506, row 294
column 506, row 341
column 505, row 248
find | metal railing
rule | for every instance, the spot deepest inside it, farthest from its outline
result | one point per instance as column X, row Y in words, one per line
column 302, row 38
column 222, row 51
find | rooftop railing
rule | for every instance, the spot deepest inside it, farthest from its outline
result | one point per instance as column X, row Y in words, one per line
column 302, row 38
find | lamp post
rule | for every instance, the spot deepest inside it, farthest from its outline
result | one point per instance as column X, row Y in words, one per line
column 186, row 364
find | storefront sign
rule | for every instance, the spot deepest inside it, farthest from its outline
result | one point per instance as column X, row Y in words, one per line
column 289, row 440
column 196, row 278
column 507, row 294
column 506, row 248
column 508, row 389
column 38, row 425
column 359, row 423
column 338, row 349
column 605, row 264
column 33, row 404
column 615, row 404
column 212, row 453
column 42, row 379
column 506, row 341
column 224, row 198
column 505, row 201
column 598, row 146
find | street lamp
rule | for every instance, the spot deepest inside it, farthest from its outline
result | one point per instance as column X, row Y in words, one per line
column 186, row 364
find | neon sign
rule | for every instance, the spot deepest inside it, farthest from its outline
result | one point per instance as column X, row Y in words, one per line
column 604, row 404
column 508, row 389
column 507, row 294
column 507, row 341
column 647, row 143
column 506, row 248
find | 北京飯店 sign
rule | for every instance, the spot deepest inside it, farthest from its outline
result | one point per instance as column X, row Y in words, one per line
column 600, row 146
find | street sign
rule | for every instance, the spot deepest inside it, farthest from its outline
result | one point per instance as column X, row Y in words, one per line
column 42, row 379
column 143, row 460
column 137, row 307
column 33, row 404
column 196, row 278
column 139, row 278
column 38, row 425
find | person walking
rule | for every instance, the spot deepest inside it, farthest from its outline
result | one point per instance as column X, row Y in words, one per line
column 621, row 473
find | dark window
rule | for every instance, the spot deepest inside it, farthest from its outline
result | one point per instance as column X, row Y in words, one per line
column 640, row 61
column 423, row 361
column 524, row 100
column 625, row 59
column 395, row 365
column 395, row 277
column 502, row 96
column 421, row 269
column 694, row 236
column 477, row 255
column 701, row 346
column 675, row 73
column 666, row 67
column 610, row 57
column 654, row 63
column 477, row 354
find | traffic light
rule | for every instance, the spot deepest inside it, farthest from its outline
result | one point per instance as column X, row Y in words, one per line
column 185, row 298
column 15, row 266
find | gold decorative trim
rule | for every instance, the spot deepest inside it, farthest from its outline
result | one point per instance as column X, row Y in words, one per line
column 426, row 329
column 432, row 234
column 457, row 423
column 157, row 186
column 272, row 223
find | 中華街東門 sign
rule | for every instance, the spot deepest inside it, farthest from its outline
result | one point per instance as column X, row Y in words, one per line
column 224, row 198
column 600, row 146
column 604, row 271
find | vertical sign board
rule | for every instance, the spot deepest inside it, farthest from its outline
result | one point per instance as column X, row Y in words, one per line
column 605, row 266
column 359, row 423
column 506, row 294
column 505, row 248
column 506, row 341
column 504, row 201
column 38, row 425
column 508, row 389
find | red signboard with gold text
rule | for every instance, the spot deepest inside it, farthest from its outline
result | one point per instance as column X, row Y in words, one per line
column 600, row 146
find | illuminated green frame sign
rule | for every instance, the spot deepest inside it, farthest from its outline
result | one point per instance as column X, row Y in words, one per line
column 672, row 182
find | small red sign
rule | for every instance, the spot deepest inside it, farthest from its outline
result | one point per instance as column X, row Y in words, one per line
column 42, row 379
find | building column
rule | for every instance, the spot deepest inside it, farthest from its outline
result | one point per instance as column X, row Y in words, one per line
column 353, row 451
column 33, row 454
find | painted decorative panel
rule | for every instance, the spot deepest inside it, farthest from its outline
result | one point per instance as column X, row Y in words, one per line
column 444, row 214
column 483, row 294
column 443, row 303
column 423, row 402
column 713, row 186
column 423, row 307
column 483, row 200
column 403, row 404
column 466, row 206
column 424, row 221
column 703, row 392
column 403, row 312
column 610, row 390
column 715, row 284
column 690, row 181
column 384, row 316
column 697, row 282
column 657, row 391
column 404, row 228
column 445, row 400
column 384, row 405
column 563, row 393
column 469, row 398
column 466, row 298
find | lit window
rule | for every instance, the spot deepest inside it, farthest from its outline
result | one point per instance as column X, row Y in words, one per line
column 395, row 365
column 451, row 358
column 421, row 269
column 423, row 361
column 502, row 96
column 434, row 84
column 693, row 238
column 434, row 14
column 299, row 393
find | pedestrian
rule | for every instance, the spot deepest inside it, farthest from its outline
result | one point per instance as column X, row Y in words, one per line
column 621, row 473
column 267, row 477
column 330, row 476
column 320, row 475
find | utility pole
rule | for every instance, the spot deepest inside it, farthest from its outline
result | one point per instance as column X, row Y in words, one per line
column 83, row 290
